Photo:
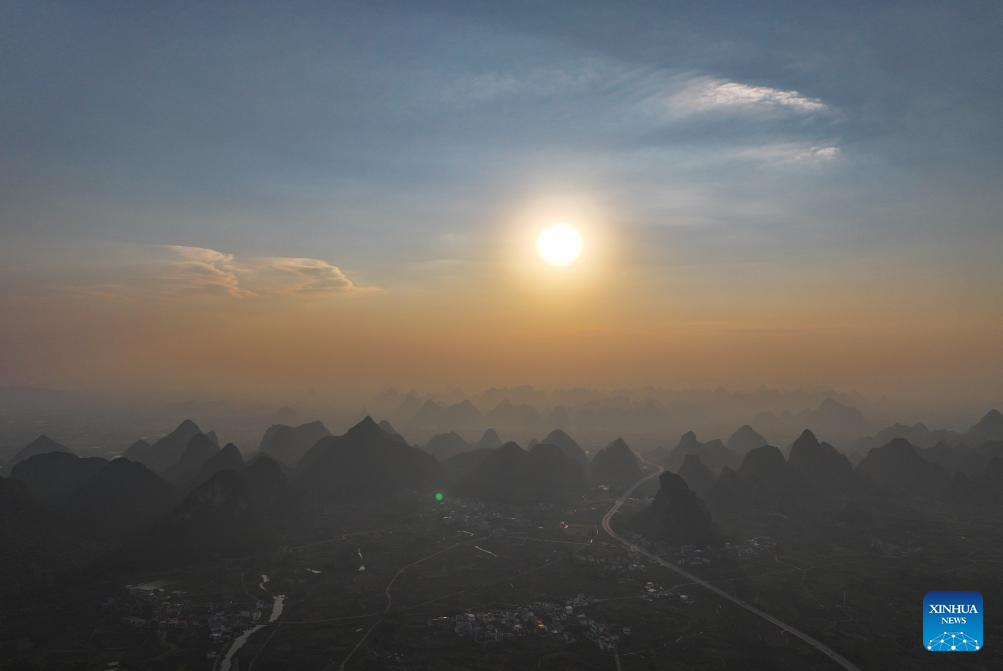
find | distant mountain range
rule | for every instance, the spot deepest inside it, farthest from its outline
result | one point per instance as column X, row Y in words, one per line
column 185, row 494
column 41, row 445
column 166, row 452
column 287, row 444
column 234, row 510
column 52, row 476
column 616, row 466
column 841, row 422
column 364, row 462
column 714, row 454
column 514, row 475
column 987, row 430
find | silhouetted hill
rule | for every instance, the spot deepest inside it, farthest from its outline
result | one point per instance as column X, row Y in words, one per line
column 288, row 444
column 842, row 423
column 616, row 466
column 956, row 458
column 227, row 459
column 35, row 544
column 899, row 467
column 765, row 466
column 917, row 434
column 513, row 475
column 820, row 465
column 41, row 445
column 445, row 445
column 697, row 476
column 139, row 451
column 53, row 476
column 489, row 440
column 744, row 439
column 366, row 461
column 713, row 454
column 200, row 449
column 119, row 498
column 571, row 449
column 461, row 467
column 167, row 451
column 763, row 483
column 266, row 479
column 233, row 511
column 559, row 472
column 429, row 414
column 989, row 428
column 987, row 451
column 504, row 474
column 986, row 488
column 676, row 514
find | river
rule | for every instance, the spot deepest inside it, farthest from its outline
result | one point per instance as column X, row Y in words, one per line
column 278, row 605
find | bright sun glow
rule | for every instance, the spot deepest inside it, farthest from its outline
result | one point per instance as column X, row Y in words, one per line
column 559, row 245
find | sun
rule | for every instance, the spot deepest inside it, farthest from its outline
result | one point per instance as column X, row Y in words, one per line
column 559, row 245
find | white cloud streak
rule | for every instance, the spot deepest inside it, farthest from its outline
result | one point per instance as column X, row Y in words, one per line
column 185, row 270
column 710, row 94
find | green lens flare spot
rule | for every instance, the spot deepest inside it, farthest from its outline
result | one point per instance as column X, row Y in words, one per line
column 439, row 496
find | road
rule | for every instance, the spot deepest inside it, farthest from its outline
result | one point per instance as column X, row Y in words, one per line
column 815, row 643
column 389, row 604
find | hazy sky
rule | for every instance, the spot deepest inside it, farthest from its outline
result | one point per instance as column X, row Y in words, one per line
column 300, row 195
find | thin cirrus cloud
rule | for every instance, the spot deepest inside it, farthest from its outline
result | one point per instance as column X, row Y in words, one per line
column 186, row 270
column 197, row 270
column 794, row 154
column 710, row 94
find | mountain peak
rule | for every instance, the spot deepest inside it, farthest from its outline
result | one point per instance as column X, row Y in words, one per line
column 619, row 445
column 367, row 426
column 993, row 415
column 512, row 447
column 46, row 443
column 40, row 445
column 989, row 428
column 745, row 439
column 616, row 465
column 188, row 426
column 677, row 514
column 899, row 445
column 490, row 439
column 763, row 462
column 807, row 438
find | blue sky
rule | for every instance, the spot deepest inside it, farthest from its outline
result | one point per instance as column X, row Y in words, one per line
column 746, row 148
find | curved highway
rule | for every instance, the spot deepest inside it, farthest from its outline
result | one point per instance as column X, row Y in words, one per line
column 815, row 643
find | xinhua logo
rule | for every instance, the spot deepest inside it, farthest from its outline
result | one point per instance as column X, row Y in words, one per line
column 952, row 621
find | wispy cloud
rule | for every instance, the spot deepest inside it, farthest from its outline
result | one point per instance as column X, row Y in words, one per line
column 705, row 94
column 791, row 153
column 197, row 270
column 299, row 275
column 185, row 270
